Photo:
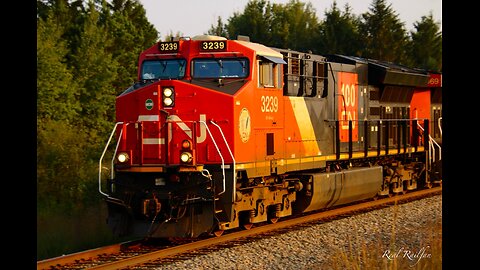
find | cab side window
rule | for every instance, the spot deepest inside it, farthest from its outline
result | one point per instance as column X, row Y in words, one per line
column 266, row 75
column 270, row 72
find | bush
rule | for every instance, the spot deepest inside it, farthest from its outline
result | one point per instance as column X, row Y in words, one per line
column 67, row 169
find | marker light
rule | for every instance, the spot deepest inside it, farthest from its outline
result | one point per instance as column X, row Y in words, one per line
column 186, row 144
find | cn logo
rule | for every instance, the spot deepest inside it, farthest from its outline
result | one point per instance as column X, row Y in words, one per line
column 347, row 104
column 185, row 128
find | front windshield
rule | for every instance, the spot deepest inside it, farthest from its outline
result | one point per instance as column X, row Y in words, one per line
column 220, row 68
column 163, row 69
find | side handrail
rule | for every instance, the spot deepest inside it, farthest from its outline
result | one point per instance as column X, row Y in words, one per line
column 218, row 151
column 431, row 144
column 440, row 125
column 103, row 154
column 231, row 154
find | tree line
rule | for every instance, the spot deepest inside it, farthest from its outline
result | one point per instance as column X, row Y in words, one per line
column 87, row 53
column 377, row 34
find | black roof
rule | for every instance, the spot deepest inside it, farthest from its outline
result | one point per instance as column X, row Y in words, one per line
column 384, row 72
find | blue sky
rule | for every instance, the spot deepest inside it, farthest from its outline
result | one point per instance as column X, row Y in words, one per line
column 194, row 17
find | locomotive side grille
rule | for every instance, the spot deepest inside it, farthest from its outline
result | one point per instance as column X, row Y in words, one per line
column 295, row 64
column 374, row 110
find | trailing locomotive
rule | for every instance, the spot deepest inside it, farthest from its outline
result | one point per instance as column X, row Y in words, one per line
column 219, row 134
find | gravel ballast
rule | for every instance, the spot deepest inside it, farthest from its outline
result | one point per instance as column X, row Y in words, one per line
column 407, row 236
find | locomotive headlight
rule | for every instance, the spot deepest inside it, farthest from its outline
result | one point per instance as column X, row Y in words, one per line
column 123, row 157
column 168, row 95
column 167, row 92
column 168, row 101
column 186, row 157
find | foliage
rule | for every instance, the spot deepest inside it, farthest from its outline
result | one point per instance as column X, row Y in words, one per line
column 219, row 29
column 383, row 35
column 377, row 33
column 56, row 89
column 65, row 168
column 86, row 55
column 426, row 45
column 131, row 33
column 255, row 22
column 292, row 25
column 339, row 33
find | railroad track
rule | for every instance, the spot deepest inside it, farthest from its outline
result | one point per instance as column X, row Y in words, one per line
column 142, row 255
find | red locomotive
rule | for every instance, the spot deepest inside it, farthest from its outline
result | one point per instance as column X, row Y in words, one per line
column 219, row 134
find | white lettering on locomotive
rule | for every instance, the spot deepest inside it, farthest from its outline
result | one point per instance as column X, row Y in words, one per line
column 203, row 130
column 175, row 119
column 348, row 105
column 348, row 93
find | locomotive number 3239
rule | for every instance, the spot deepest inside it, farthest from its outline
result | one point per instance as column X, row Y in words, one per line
column 168, row 46
column 269, row 104
column 213, row 45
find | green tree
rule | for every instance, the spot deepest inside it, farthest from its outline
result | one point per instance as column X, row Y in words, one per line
column 69, row 102
column 292, row 25
column 131, row 33
column 255, row 22
column 425, row 48
column 295, row 26
column 385, row 37
column 56, row 99
column 87, row 52
column 219, row 29
column 66, row 173
column 60, row 162
column 339, row 32
column 95, row 70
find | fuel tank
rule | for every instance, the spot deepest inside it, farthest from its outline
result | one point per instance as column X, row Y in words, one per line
column 323, row 190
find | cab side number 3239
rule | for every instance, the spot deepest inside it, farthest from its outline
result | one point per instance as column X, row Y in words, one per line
column 269, row 104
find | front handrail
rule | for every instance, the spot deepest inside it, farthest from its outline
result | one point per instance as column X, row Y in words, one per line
column 219, row 153
column 118, row 143
column 231, row 154
column 101, row 158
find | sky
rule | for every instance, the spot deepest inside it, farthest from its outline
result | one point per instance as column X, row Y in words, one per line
column 195, row 17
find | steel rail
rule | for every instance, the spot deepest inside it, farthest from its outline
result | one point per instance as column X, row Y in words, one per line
column 168, row 252
column 91, row 253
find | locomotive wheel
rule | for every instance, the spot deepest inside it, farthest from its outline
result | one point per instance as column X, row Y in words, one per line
column 247, row 226
column 218, row 233
column 273, row 220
